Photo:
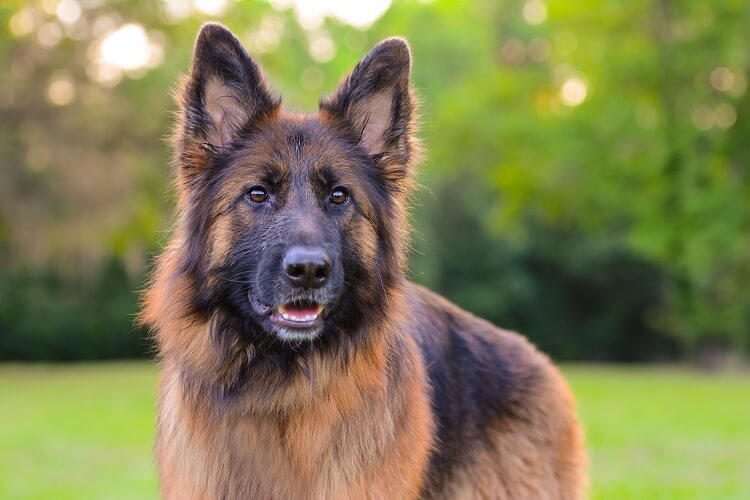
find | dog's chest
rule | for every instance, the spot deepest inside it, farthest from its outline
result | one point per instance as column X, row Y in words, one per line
column 316, row 454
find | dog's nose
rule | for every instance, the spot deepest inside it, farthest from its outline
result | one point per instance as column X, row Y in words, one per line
column 306, row 267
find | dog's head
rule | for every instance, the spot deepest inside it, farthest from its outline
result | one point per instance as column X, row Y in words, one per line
column 291, row 227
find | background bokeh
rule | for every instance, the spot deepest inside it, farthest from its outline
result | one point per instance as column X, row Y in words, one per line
column 586, row 183
column 586, row 178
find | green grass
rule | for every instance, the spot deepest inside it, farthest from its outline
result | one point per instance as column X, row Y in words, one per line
column 86, row 431
column 77, row 431
column 665, row 434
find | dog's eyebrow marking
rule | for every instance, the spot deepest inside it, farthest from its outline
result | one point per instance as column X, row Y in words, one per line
column 325, row 175
column 274, row 173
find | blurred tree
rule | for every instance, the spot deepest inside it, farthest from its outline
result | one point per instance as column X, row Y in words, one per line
column 586, row 166
column 613, row 121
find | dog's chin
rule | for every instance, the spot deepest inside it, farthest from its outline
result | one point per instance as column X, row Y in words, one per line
column 296, row 335
column 296, row 321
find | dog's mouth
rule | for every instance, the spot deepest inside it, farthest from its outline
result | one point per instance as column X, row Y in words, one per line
column 303, row 314
column 299, row 314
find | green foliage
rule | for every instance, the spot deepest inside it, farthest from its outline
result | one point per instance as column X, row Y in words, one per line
column 52, row 317
column 586, row 164
column 556, row 286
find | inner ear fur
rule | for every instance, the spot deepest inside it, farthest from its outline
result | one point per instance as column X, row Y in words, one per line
column 224, row 93
column 375, row 102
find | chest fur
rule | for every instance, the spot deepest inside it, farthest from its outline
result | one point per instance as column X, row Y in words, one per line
column 373, row 445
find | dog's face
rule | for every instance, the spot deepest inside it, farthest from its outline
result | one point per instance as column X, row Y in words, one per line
column 292, row 225
column 298, row 208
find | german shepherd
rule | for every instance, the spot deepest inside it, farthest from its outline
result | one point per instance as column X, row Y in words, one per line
column 298, row 361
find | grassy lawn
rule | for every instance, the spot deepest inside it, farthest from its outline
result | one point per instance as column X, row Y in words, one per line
column 86, row 431
column 665, row 434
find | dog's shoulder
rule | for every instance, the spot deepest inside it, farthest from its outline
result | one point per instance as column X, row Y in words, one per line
column 486, row 384
column 474, row 362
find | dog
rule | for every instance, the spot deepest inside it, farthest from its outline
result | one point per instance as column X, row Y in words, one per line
column 298, row 362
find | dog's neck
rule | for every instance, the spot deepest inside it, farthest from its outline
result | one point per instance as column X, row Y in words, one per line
column 346, row 416
column 260, row 385
column 235, row 373
column 242, row 377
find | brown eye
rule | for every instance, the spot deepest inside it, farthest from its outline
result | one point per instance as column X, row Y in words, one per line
column 339, row 196
column 257, row 194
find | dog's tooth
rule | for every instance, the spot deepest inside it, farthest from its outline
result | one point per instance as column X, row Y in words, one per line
column 298, row 318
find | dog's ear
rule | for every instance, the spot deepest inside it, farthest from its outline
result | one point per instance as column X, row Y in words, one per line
column 375, row 103
column 223, row 94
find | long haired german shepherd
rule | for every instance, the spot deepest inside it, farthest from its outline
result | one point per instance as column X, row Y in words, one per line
column 298, row 361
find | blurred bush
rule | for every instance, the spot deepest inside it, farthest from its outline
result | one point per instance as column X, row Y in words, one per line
column 47, row 316
column 586, row 179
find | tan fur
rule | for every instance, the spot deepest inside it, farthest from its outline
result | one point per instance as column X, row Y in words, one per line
column 343, row 434
column 539, row 457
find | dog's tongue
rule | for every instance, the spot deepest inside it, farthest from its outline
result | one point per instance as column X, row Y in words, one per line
column 300, row 312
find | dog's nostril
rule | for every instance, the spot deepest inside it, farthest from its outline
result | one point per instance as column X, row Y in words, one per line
column 295, row 270
column 322, row 272
column 306, row 267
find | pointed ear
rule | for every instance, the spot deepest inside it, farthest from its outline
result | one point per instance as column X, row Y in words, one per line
column 223, row 93
column 375, row 103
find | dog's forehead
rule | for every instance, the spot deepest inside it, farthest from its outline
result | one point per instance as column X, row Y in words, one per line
column 296, row 143
column 306, row 144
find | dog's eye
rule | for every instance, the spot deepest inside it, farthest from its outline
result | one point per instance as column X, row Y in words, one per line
column 338, row 196
column 257, row 194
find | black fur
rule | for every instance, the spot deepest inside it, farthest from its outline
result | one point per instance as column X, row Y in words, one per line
column 476, row 385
